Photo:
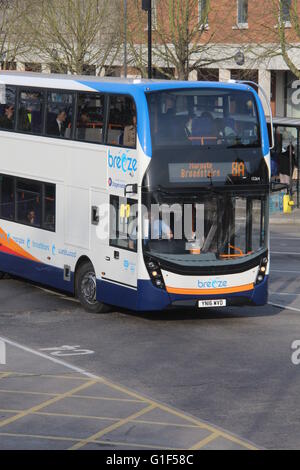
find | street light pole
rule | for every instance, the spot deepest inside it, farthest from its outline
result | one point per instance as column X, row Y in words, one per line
column 147, row 6
column 125, row 38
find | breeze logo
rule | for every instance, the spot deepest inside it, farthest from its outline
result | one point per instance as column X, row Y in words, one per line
column 123, row 162
column 212, row 284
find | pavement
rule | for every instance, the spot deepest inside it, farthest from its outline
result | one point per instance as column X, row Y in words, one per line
column 214, row 379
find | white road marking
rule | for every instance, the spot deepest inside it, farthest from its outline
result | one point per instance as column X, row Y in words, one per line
column 50, row 358
column 283, row 293
column 285, row 253
column 282, row 271
column 68, row 351
column 284, row 307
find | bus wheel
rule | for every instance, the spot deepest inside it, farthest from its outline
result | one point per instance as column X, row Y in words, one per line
column 2, row 275
column 86, row 287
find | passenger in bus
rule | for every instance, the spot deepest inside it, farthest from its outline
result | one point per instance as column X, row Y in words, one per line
column 129, row 138
column 83, row 124
column 7, row 121
column 31, row 217
column 57, row 126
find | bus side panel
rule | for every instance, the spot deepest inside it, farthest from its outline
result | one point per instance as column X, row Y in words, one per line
column 36, row 272
column 118, row 295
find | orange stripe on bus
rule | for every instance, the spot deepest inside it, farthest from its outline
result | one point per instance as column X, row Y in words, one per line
column 227, row 290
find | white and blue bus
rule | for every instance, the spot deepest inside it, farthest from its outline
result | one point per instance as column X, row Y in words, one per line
column 142, row 194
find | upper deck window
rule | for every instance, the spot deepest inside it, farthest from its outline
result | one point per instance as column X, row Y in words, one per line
column 122, row 122
column 204, row 117
column 59, row 114
column 7, row 107
column 90, row 117
column 30, row 111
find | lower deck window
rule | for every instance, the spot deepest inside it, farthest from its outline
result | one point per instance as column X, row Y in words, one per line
column 27, row 202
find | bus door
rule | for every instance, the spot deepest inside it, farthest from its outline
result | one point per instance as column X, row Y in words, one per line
column 114, row 237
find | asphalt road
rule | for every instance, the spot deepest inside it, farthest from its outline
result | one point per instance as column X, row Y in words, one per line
column 231, row 368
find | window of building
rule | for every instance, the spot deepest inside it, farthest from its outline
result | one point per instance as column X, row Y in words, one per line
column 242, row 12
column 286, row 10
column 7, row 197
column 58, row 68
column 33, row 67
column 122, row 121
column 59, row 114
column 203, row 9
column 89, row 69
column 28, row 202
column 7, row 107
column 123, row 223
column 30, row 111
column 90, row 117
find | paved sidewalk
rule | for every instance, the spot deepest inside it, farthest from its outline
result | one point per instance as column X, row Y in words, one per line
column 45, row 405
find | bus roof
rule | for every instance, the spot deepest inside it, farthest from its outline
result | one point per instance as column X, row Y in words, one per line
column 105, row 84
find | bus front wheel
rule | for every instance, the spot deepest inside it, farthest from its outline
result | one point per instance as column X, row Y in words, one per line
column 86, row 288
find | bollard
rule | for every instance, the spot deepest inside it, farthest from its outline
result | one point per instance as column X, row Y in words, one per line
column 288, row 203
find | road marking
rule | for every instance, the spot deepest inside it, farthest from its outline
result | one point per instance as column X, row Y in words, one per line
column 69, row 439
column 294, row 253
column 285, row 307
column 283, row 293
column 66, row 350
column 4, row 374
column 282, row 271
column 112, row 427
column 39, row 407
column 205, row 441
column 172, row 411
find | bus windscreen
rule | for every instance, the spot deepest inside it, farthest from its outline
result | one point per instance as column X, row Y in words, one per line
column 204, row 117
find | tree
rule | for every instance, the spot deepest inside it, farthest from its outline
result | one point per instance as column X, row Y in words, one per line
column 13, row 38
column 288, row 11
column 182, row 39
column 76, row 34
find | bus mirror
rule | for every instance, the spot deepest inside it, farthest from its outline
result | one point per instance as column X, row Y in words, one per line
column 130, row 189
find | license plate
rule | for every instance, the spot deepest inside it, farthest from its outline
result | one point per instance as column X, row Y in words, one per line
column 211, row 303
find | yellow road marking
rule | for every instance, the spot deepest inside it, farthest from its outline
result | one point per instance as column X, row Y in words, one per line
column 24, row 392
column 205, row 441
column 75, row 439
column 50, row 376
column 86, row 397
column 139, row 398
column 112, row 427
column 4, row 374
column 24, row 413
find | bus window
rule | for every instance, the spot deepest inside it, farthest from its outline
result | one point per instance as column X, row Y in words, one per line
column 31, row 111
column 123, row 228
column 7, row 107
column 29, row 207
column 90, row 117
column 7, row 199
column 49, row 205
column 122, row 122
column 59, row 114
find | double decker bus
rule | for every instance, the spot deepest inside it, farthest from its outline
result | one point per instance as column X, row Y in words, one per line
column 143, row 194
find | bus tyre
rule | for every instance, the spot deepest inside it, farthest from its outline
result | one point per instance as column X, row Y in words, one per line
column 2, row 275
column 86, row 287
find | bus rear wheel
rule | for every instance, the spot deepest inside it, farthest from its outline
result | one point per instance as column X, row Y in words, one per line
column 86, row 288
column 2, row 274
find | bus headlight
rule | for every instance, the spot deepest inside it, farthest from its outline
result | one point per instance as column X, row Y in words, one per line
column 262, row 270
column 155, row 273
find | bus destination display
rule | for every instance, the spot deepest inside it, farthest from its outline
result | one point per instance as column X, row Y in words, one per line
column 200, row 172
